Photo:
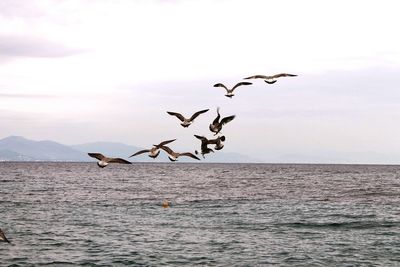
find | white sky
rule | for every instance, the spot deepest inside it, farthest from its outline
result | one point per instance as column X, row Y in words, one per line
column 85, row 71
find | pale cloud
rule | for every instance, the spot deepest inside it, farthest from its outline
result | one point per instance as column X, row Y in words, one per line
column 29, row 46
column 3, row 95
column 20, row 8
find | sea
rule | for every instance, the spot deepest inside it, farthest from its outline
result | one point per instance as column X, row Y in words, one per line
column 77, row 214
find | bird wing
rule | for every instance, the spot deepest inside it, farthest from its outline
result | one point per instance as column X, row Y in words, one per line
column 240, row 84
column 140, row 152
column 256, row 77
column 98, row 156
column 282, row 75
column 227, row 119
column 178, row 115
column 188, row 154
column 216, row 120
column 165, row 142
column 119, row 160
column 204, row 141
column 194, row 116
column 202, row 138
column 167, row 149
column 221, row 85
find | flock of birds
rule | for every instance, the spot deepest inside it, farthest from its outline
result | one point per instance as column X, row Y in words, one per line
column 215, row 127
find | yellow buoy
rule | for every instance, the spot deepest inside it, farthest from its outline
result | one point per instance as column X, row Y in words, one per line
column 165, row 204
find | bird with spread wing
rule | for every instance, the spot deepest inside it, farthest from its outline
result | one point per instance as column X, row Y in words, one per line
column 272, row 78
column 154, row 151
column 216, row 125
column 104, row 161
column 229, row 92
column 186, row 122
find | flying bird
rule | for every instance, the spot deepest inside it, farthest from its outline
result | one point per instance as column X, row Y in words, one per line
column 173, row 156
column 271, row 79
column 186, row 122
column 216, row 125
column 154, row 151
column 229, row 92
column 104, row 161
column 3, row 237
column 204, row 146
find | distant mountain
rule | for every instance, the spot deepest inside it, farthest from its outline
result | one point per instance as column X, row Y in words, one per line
column 8, row 155
column 16, row 148
column 22, row 149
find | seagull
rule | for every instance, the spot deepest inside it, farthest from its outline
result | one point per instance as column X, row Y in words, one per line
column 271, row 79
column 186, row 122
column 204, row 146
column 173, row 156
column 229, row 92
column 3, row 237
column 154, row 151
column 104, row 161
column 216, row 125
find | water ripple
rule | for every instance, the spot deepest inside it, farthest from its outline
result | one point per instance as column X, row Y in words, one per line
column 75, row 214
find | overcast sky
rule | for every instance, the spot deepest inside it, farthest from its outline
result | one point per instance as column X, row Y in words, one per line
column 85, row 71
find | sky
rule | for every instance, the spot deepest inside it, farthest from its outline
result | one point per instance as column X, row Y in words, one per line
column 85, row 71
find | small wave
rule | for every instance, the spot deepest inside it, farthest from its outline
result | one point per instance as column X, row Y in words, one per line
column 58, row 263
column 352, row 216
column 341, row 225
column 7, row 181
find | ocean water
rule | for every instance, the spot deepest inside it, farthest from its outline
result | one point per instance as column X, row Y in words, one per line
column 76, row 214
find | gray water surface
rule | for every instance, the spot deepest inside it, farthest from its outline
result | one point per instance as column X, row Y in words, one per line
column 61, row 214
